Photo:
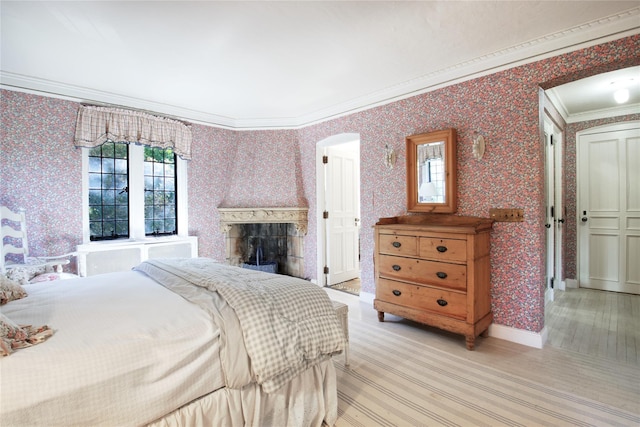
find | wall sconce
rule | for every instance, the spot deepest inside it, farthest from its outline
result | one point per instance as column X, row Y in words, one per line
column 389, row 156
column 478, row 146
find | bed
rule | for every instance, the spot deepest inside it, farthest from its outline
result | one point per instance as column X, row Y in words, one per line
column 174, row 342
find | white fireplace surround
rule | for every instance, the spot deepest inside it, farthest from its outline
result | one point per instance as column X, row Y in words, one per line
column 295, row 216
column 232, row 218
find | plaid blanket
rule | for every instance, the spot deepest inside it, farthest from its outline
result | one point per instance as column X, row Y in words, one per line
column 288, row 323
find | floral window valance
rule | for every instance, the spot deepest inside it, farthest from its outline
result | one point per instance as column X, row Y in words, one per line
column 96, row 125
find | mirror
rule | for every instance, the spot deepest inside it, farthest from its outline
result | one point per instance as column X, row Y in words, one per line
column 431, row 172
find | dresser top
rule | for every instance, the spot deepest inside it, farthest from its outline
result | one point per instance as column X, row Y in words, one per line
column 457, row 223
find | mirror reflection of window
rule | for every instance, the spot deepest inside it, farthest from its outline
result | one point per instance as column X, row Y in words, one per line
column 431, row 188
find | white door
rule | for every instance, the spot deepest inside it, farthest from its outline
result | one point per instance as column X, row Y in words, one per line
column 609, row 208
column 550, row 221
column 554, row 208
column 343, row 210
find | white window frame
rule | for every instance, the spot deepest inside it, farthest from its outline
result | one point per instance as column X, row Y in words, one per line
column 136, row 198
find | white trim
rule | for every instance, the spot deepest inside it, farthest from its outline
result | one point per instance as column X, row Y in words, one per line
column 367, row 298
column 571, row 284
column 519, row 336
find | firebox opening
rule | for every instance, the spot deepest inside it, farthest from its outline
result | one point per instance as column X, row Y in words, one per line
column 280, row 243
column 263, row 244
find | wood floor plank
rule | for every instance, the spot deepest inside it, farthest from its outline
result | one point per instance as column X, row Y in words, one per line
column 598, row 323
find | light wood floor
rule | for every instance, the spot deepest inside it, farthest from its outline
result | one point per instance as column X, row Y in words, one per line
column 601, row 377
column 597, row 323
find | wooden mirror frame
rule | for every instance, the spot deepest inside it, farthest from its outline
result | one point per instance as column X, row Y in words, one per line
column 450, row 204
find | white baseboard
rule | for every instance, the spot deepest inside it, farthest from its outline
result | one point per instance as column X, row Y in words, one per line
column 520, row 336
column 571, row 283
column 367, row 297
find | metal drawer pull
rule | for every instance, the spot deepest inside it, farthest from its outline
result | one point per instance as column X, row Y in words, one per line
column 397, row 292
column 396, row 267
column 441, row 302
column 396, row 244
column 441, row 274
column 441, row 248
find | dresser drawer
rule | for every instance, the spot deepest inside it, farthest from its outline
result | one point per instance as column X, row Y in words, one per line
column 439, row 301
column 443, row 249
column 441, row 274
column 398, row 245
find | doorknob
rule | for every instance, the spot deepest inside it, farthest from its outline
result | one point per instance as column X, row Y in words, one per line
column 585, row 219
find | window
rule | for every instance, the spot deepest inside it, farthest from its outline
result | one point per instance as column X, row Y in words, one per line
column 132, row 192
column 159, row 191
column 109, row 191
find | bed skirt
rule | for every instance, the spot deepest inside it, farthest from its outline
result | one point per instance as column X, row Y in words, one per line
column 310, row 399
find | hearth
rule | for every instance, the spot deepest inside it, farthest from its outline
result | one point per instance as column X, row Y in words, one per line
column 278, row 232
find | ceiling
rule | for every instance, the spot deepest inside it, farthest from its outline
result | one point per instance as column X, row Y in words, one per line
column 267, row 64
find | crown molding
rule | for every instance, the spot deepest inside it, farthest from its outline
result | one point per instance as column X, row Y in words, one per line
column 604, row 113
column 596, row 32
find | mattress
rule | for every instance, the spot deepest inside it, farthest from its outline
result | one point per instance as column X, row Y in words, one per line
column 125, row 351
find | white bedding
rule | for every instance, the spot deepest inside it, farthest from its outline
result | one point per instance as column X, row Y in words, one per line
column 128, row 351
column 169, row 359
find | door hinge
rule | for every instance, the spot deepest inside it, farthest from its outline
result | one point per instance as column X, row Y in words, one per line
column 551, row 139
column 326, row 270
column 325, row 214
column 325, row 159
column 552, row 280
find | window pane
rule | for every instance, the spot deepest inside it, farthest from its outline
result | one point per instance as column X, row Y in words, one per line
column 95, row 164
column 108, row 228
column 122, row 228
column 95, row 151
column 95, row 228
column 108, row 149
column 121, row 166
column 95, row 213
column 95, row 180
column 108, row 197
column 108, row 165
column 170, row 225
column 108, row 212
column 121, row 151
column 122, row 213
column 158, row 183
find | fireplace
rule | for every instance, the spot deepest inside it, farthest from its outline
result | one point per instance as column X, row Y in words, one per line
column 279, row 232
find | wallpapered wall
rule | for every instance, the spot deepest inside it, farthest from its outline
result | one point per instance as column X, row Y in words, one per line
column 41, row 171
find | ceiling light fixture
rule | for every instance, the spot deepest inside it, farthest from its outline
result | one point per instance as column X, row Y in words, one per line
column 621, row 96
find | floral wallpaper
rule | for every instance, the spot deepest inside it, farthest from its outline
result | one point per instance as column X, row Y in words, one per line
column 41, row 170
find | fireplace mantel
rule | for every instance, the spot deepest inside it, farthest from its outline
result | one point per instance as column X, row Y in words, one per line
column 295, row 216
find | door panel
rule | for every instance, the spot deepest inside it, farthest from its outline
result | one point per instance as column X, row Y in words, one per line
column 343, row 199
column 609, row 210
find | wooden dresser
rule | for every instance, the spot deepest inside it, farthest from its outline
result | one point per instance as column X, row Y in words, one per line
column 435, row 269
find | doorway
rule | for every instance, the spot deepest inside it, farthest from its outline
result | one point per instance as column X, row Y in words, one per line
column 608, row 163
column 338, row 210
